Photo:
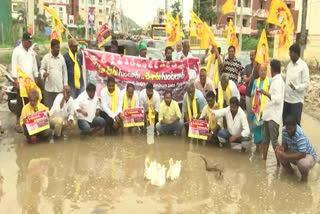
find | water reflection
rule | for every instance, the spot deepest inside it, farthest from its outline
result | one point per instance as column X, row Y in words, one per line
column 105, row 175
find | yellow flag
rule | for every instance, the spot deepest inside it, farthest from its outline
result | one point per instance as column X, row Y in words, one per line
column 207, row 37
column 232, row 37
column 195, row 26
column 173, row 29
column 262, row 56
column 26, row 83
column 283, row 44
column 57, row 26
column 279, row 14
column 228, row 6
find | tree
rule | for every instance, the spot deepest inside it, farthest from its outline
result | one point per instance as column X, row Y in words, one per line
column 204, row 9
column 176, row 9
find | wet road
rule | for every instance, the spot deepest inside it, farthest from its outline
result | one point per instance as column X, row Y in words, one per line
column 105, row 175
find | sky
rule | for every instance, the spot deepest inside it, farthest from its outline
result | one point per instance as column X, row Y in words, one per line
column 143, row 12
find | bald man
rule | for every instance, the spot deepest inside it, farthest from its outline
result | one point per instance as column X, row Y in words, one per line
column 185, row 53
column 62, row 113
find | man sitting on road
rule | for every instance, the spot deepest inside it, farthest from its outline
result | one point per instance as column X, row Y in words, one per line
column 169, row 116
column 111, row 107
column 62, row 113
column 88, row 111
column 193, row 103
column 32, row 107
column 207, row 115
column 296, row 148
column 226, row 90
column 237, row 125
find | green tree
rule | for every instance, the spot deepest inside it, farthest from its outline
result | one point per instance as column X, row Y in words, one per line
column 176, row 9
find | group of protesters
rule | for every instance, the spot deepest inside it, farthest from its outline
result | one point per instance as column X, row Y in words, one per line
column 271, row 100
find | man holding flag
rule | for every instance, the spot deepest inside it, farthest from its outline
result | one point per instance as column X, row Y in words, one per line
column 24, row 57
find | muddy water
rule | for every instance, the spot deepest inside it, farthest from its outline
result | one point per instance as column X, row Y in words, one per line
column 105, row 175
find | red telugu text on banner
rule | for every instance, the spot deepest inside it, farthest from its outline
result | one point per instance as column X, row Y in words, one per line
column 37, row 122
column 133, row 117
column 198, row 129
column 171, row 75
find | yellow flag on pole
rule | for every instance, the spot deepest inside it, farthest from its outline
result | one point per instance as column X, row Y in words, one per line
column 195, row 26
column 262, row 55
column 26, row 83
column 57, row 26
column 283, row 44
column 232, row 37
column 279, row 14
column 228, row 6
column 173, row 29
column 207, row 37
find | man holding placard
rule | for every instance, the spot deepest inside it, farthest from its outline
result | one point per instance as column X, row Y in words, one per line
column 34, row 119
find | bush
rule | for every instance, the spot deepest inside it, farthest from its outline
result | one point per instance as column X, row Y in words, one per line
column 249, row 43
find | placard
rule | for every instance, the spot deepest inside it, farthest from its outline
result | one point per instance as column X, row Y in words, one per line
column 37, row 122
column 133, row 117
column 198, row 129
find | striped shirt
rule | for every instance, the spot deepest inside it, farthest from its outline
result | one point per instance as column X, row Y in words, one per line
column 299, row 142
column 233, row 68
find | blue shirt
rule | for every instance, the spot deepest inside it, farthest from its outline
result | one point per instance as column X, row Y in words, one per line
column 299, row 142
column 200, row 100
column 70, row 69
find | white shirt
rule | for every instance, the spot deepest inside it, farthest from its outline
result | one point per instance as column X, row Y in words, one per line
column 89, row 105
column 274, row 107
column 297, row 74
column 26, row 60
column 66, row 112
column 236, row 125
column 180, row 55
column 234, row 92
column 57, row 69
column 106, row 102
column 143, row 100
column 136, row 99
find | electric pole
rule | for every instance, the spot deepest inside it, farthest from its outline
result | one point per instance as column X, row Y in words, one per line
column 303, row 27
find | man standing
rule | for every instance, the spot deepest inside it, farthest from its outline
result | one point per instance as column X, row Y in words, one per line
column 232, row 65
column 168, row 53
column 297, row 81
column 23, row 56
column 250, row 73
column 273, row 109
column 226, row 90
column 111, row 106
column 237, row 125
column 211, row 57
column 185, row 53
column 169, row 116
column 62, row 112
column 143, row 50
column 178, row 49
column 296, row 148
column 32, row 107
column 88, row 110
column 193, row 103
column 54, row 72
column 150, row 100
column 203, row 83
column 74, row 62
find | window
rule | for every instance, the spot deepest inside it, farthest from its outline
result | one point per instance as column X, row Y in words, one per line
column 14, row 8
column 60, row 9
column 228, row 19
column 92, row 1
column 262, row 4
column 289, row 5
column 245, row 22
column 100, row 1
column 247, row 3
column 107, row 11
column 214, row 3
column 71, row 21
column 100, row 11
column 100, row 23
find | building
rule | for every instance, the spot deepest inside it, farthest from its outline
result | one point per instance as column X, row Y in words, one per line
column 17, row 6
column 160, row 17
column 312, row 51
column 255, row 13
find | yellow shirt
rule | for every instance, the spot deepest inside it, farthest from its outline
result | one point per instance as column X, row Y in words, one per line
column 27, row 110
column 168, row 112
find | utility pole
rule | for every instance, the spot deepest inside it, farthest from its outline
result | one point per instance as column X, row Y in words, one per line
column 198, row 8
column 30, row 15
column 303, row 27
column 181, row 20
column 241, row 22
column 166, row 6
column 86, row 20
